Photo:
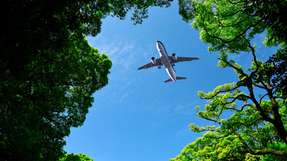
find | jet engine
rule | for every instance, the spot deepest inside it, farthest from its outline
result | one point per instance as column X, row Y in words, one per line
column 153, row 60
column 174, row 56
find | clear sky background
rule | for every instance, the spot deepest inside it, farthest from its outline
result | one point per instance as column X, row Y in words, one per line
column 137, row 117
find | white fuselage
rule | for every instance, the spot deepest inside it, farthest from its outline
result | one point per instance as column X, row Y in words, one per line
column 165, row 60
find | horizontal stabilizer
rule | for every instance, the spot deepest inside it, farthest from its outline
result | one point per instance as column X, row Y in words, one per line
column 180, row 78
column 169, row 80
column 177, row 78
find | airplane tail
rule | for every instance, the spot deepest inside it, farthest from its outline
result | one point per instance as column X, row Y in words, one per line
column 177, row 78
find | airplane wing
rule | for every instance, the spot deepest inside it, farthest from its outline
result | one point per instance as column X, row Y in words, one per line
column 157, row 62
column 182, row 59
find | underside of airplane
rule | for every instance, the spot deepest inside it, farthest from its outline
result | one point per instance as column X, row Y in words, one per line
column 167, row 61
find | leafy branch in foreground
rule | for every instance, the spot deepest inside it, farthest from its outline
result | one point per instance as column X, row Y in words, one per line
column 247, row 126
column 249, row 115
column 49, row 72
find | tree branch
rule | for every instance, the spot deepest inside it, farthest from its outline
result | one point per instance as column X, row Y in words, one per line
column 261, row 151
column 279, row 125
column 234, row 67
column 221, row 91
column 245, row 105
column 257, row 105
column 210, row 119
column 254, row 57
column 236, row 98
column 260, row 100
column 259, row 86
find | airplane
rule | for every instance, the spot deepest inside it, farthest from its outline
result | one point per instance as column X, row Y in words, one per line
column 167, row 61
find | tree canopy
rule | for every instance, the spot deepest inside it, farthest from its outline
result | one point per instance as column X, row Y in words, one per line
column 75, row 157
column 49, row 72
column 249, row 115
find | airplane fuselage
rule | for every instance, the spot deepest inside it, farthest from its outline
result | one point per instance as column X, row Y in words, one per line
column 165, row 60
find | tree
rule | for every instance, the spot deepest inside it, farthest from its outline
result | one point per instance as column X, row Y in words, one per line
column 49, row 72
column 249, row 115
column 75, row 157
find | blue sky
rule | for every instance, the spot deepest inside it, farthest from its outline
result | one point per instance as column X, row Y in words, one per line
column 137, row 117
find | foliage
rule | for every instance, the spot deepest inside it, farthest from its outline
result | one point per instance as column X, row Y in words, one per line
column 75, row 157
column 229, row 25
column 51, row 94
column 49, row 72
column 249, row 114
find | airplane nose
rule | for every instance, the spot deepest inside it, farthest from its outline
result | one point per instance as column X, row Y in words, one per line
column 158, row 43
